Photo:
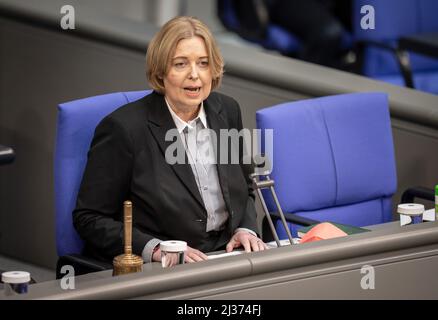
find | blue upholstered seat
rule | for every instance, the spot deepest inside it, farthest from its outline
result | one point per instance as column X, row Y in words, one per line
column 75, row 129
column 333, row 158
column 393, row 20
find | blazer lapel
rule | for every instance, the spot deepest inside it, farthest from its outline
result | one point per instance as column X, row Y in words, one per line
column 160, row 122
column 216, row 122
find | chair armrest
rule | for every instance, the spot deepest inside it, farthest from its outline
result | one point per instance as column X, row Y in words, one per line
column 410, row 194
column 424, row 43
column 81, row 265
column 401, row 56
column 293, row 218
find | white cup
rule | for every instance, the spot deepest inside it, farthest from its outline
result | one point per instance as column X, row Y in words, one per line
column 410, row 213
column 15, row 282
column 172, row 252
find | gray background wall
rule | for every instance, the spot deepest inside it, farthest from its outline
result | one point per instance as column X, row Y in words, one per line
column 41, row 66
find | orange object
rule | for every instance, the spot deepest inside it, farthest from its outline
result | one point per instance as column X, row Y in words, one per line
column 322, row 231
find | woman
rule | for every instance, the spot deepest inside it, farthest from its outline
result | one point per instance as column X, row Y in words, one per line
column 210, row 206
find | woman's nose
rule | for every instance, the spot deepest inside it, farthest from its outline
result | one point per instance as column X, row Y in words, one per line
column 194, row 72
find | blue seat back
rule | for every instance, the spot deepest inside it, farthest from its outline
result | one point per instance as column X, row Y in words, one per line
column 394, row 19
column 333, row 157
column 76, row 123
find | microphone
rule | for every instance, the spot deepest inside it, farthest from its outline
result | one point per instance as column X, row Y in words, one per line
column 263, row 168
column 7, row 154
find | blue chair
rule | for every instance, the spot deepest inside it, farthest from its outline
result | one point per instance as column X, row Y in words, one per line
column 75, row 129
column 380, row 57
column 332, row 159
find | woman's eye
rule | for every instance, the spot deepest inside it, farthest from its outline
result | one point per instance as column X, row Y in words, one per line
column 204, row 63
column 180, row 64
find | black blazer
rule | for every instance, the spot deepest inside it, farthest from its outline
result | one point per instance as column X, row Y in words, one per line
column 126, row 161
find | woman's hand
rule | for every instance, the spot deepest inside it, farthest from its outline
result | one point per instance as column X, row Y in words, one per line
column 191, row 255
column 247, row 241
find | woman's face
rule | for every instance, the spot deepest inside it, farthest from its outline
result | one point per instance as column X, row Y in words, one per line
column 188, row 81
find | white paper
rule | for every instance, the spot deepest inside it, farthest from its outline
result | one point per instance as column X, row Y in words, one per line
column 284, row 242
column 223, row 255
column 429, row 215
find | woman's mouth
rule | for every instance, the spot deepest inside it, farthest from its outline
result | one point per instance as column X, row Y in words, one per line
column 192, row 91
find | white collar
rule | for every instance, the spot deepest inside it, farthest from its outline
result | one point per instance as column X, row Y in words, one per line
column 181, row 124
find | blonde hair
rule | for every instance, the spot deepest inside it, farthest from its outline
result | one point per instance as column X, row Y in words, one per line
column 163, row 45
